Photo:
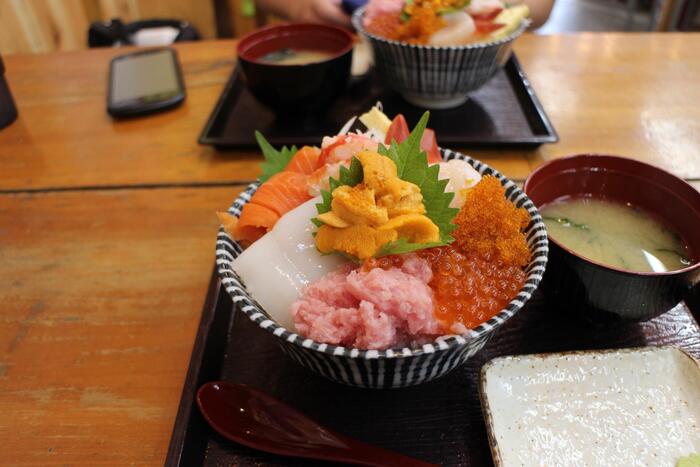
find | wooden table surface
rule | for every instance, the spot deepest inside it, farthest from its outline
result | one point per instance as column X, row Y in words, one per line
column 107, row 228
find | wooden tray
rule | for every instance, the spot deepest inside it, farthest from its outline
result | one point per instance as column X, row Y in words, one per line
column 505, row 112
column 439, row 422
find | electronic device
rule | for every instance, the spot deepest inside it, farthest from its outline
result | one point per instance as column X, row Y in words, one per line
column 144, row 82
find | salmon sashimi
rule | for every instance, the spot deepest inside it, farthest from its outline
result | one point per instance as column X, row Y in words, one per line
column 282, row 192
column 228, row 222
column 255, row 221
column 305, row 161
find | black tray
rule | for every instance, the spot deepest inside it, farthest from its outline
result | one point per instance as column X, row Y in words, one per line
column 440, row 421
column 504, row 112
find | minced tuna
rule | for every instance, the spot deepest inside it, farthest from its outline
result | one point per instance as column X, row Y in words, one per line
column 369, row 309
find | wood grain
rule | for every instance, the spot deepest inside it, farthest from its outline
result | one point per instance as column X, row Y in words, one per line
column 101, row 300
column 624, row 94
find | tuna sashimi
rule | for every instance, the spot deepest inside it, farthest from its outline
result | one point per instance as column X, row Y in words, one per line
column 305, row 160
column 399, row 132
column 373, row 309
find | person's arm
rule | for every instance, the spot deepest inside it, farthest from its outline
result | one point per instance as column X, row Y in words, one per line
column 539, row 10
column 315, row 11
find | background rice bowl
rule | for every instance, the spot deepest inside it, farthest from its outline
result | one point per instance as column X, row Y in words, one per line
column 437, row 76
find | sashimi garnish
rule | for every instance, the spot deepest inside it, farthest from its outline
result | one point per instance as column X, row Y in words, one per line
column 412, row 167
column 275, row 161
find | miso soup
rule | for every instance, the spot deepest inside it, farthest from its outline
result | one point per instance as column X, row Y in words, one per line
column 615, row 234
column 295, row 57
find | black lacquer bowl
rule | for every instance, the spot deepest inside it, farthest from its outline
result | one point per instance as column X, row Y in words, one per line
column 603, row 293
column 296, row 89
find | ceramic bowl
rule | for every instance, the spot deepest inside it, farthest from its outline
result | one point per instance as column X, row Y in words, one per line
column 437, row 77
column 296, row 89
column 603, row 293
column 390, row 368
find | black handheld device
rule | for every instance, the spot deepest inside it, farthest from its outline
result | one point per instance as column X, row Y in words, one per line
column 144, row 82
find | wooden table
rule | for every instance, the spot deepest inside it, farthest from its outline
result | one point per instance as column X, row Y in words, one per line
column 107, row 228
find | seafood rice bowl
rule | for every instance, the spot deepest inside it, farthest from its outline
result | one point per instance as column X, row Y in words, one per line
column 435, row 52
column 391, row 261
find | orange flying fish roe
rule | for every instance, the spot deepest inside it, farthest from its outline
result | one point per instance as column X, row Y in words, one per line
column 490, row 227
column 424, row 22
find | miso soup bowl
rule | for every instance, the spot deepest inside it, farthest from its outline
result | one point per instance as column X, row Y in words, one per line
column 296, row 89
column 603, row 293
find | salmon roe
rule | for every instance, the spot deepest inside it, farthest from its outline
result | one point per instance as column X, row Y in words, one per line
column 470, row 289
column 467, row 290
column 482, row 270
column 385, row 25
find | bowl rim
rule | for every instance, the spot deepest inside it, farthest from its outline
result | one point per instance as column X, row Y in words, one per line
column 559, row 160
column 537, row 245
column 289, row 25
column 357, row 23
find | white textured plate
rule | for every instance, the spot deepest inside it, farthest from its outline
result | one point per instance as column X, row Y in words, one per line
column 633, row 407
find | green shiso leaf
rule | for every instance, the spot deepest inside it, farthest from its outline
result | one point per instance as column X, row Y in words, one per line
column 275, row 161
column 402, row 246
column 412, row 166
column 348, row 176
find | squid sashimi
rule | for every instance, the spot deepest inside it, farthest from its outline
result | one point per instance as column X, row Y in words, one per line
column 461, row 177
column 290, row 261
column 459, row 27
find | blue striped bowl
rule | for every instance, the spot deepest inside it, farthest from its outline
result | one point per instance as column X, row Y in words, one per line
column 392, row 368
column 437, row 77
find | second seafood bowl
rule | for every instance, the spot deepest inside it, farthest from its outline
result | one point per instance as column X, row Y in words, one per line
column 400, row 270
column 449, row 51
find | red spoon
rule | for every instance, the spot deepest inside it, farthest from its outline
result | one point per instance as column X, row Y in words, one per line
column 255, row 419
